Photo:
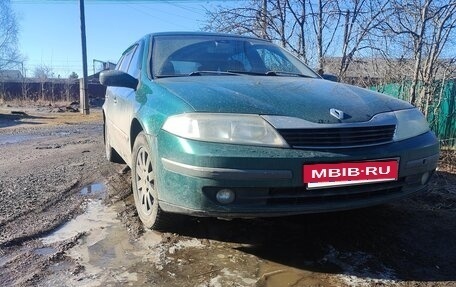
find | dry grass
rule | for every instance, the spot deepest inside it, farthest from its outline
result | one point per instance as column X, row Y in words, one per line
column 20, row 102
column 45, row 115
column 448, row 160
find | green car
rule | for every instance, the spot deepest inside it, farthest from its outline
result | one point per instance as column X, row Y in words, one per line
column 231, row 126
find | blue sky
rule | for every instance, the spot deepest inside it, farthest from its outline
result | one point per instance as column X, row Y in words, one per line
column 50, row 30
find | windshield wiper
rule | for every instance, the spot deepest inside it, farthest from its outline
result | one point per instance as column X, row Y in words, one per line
column 280, row 73
column 167, row 76
column 200, row 73
column 246, row 73
column 270, row 73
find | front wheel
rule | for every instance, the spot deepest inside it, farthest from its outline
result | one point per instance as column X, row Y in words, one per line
column 145, row 191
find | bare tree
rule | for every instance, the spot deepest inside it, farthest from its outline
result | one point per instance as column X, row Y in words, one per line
column 276, row 20
column 298, row 10
column 325, row 24
column 344, row 31
column 245, row 20
column 443, row 26
column 9, row 53
column 310, row 29
column 43, row 72
column 361, row 19
column 284, row 21
column 422, row 30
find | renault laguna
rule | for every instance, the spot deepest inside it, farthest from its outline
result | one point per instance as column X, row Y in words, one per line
column 232, row 126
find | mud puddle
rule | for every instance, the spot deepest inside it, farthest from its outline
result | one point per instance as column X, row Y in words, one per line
column 15, row 139
column 94, row 189
column 105, row 253
column 4, row 259
column 45, row 251
column 22, row 138
column 96, row 218
column 295, row 251
column 203, row 253
column 339, row 267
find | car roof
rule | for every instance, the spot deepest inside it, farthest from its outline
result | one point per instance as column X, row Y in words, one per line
column 184, row 33
column 203, row 34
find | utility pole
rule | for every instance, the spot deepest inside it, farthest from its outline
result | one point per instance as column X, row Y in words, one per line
column 84, row 97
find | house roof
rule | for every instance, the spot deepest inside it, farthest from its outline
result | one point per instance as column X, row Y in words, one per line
column 380, row 68
column 10, row 75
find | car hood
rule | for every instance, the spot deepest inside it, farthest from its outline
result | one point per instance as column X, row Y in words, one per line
column 306, row 98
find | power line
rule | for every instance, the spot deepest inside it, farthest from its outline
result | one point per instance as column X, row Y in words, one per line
column 116, row 1
column 155, row 16
column 164, row 12
column 189, row 9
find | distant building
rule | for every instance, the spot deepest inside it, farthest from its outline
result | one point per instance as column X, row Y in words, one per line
column 371, row 71
column 10, row 75
column 99, row 66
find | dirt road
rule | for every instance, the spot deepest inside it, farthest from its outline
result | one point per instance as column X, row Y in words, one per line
column 67, row 218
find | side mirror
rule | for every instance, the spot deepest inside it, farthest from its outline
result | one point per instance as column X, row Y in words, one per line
column 330, row 77
column 116, row 78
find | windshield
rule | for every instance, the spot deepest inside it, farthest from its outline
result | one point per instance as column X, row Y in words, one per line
column 199, row 55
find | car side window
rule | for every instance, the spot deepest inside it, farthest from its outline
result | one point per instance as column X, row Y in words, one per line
column 119, row 63
column 126, row 60
column 275, row 61
column 135, row 63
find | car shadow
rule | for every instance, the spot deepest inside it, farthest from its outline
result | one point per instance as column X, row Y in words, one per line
column 409, row 241
column 18, row 118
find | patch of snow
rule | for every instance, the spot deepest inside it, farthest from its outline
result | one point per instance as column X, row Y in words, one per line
column 359, row 268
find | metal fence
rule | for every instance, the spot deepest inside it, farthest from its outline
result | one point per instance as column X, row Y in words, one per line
column 47, row 90
column 441, row 108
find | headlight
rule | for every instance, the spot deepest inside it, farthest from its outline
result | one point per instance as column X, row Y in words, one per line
column 225, row 128
column 410, row 123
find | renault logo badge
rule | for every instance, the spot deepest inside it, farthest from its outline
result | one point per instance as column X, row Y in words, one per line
column 338, row 114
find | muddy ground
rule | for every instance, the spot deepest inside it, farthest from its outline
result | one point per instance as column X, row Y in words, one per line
column 67, row 218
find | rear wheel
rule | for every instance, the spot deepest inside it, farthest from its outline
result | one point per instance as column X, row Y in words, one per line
column 145, row 191
column 111, row 153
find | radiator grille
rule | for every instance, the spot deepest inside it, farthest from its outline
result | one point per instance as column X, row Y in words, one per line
column 338, row 137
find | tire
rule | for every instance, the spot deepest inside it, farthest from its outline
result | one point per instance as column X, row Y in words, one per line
column 111, row 153
column 145, row 190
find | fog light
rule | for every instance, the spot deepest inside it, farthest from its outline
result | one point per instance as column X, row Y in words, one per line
column 425, row 178
column 225, row 196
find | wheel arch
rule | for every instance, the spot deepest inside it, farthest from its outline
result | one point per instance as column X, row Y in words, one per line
column 135, row 129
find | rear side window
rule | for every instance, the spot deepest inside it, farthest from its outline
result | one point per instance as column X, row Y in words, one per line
column 135, row 64
column 125, row 60
column 119, row 63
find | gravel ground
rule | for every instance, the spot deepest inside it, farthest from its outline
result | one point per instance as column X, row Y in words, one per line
column 67, row 218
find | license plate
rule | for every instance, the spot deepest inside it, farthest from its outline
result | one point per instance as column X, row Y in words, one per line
column 349, row 173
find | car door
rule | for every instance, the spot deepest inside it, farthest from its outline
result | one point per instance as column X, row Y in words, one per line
column 122, row 105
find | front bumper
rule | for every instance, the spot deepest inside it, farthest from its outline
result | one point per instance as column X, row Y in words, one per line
column 268, row 181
